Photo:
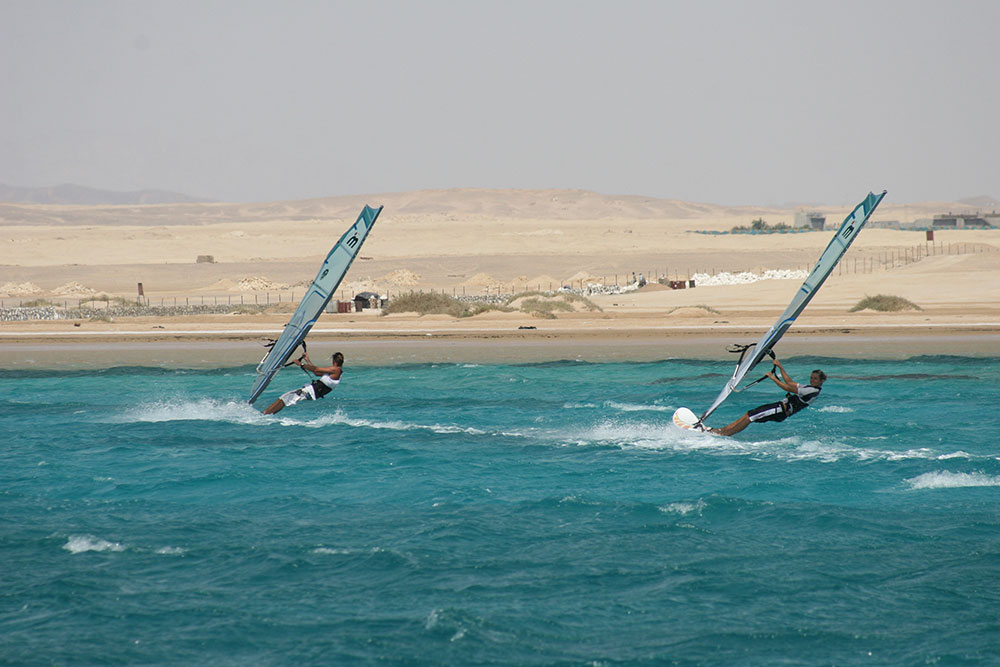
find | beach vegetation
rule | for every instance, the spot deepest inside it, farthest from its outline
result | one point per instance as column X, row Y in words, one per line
column 525, row 295
column 537, row 304
column 761, row 226
column 480, row 308
column 884, row 303
column 106, row 299
column 545, row 308
column 546, row 304
column 38, row 303
column 248, row 310
column 581, row 300
column 426, row 303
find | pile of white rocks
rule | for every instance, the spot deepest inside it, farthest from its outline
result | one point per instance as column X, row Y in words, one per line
column 747, row 277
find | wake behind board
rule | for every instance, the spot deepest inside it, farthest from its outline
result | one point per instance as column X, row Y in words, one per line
column 685, row 419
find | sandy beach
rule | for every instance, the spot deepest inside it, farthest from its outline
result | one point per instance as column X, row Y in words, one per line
column 486, row 241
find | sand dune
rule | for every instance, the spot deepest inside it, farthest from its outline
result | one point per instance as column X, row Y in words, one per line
column 476, row 240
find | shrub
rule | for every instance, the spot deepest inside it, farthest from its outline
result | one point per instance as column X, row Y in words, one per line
column 524, row 295
column 759, row 225
column 480, row 308
column 884, row 303
column 106, row 299
column 546, row 309
column 425, row 303
column 248, row 310
column 587, row 303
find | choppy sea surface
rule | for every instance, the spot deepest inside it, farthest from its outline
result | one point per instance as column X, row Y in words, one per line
column 501, row 514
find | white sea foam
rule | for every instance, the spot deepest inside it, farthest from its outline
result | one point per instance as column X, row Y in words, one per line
column 171, row 551
column 630, row 407
column 339, row 417
column 955, row 455
column 332, row 551
column 663, row 436
column 943, row 479
column 78, row 544
column 328, row 551
column 835, row 408
column 666, row 437
column 205, row 409
column 242, row 413
column 684, row 508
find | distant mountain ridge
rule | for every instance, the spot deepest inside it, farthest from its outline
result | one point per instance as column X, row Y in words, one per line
column 452, row 204
column 78, row 195
column 982, row 202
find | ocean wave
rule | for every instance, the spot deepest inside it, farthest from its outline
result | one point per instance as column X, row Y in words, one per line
column 834, row 408
column 943, row 479
column 668, row 438
column 78, row 544
column 204, row 409
column 339, row 417
column 171, row 551
column 233, row 412
column 684, row 508
column 631, row 407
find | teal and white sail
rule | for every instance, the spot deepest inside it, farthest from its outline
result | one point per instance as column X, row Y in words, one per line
column 319, row 294
column 841, row 241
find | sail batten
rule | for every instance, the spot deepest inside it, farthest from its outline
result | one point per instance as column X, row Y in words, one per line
column 841, row 241
column 325, row 285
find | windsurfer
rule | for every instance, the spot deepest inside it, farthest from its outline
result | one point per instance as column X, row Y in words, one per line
column 797, row 398
column 329, row 377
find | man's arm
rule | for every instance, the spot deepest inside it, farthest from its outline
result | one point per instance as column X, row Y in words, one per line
column 789, row 386
column 332, row 371
column 784, row 375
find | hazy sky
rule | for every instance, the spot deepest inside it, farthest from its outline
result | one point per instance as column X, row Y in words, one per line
column 750, row 102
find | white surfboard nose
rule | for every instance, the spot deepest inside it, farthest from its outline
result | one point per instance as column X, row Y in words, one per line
column 684, row 418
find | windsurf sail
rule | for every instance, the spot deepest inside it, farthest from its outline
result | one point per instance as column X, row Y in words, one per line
column 319, row 294
column 752, row 355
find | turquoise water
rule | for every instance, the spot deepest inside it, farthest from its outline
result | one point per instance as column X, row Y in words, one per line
column 501, row 514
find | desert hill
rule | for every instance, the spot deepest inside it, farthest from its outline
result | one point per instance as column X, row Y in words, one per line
column 450, row 204
column 79, row 195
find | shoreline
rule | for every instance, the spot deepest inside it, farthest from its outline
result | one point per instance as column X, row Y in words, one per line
column 434, row 343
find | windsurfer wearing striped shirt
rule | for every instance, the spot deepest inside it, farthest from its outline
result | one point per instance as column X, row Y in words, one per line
column 797, row 398
column 329, row 377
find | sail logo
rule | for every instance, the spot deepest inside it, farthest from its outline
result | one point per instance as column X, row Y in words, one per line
column 850, row 228
column 353, row 241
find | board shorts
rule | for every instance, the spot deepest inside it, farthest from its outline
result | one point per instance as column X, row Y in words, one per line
column 306, row 393
column 770, row 412
column 310, row 392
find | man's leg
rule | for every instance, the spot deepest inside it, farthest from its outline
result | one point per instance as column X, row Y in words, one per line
column 291, row 398
column 274, row 407
column 735, row 427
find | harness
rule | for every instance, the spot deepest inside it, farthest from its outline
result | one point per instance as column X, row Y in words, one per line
column 793, row 403
column 320, row 388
